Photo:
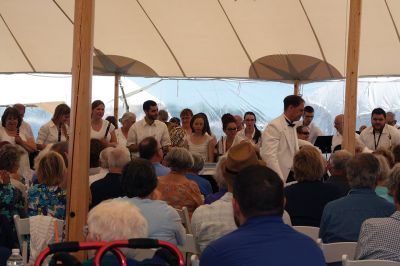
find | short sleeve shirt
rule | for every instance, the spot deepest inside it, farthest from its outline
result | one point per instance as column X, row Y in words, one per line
column 141, row 130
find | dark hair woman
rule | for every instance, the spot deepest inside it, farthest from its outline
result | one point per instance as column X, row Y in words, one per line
column 56, row 129
column 101, row 129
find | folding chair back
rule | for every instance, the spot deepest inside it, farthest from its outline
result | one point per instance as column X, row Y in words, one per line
column 22, row 227
column 347, row 262
column 184, row 214
column 333, row 251
column 310, row 231
column 190, row 245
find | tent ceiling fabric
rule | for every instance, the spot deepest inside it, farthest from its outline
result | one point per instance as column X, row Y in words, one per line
column 208, row 38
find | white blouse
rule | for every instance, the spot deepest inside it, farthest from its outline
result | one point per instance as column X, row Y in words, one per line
column 102, row 132
column 49, row 133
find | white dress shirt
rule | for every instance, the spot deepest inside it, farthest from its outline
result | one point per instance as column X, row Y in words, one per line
column 121, row 140
column 141, row 130
column 26, row 129
column 49, row 132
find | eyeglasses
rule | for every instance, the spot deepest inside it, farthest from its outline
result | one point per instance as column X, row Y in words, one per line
column 232, row 129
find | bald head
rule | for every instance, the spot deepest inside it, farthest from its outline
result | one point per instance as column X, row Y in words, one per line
column 339, row 120
column 239, row 122
column 21, row 109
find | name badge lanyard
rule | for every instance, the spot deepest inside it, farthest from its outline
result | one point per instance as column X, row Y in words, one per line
column 379, row 139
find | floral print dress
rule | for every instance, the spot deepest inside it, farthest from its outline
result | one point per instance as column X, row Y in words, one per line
column 11, row 202
column 47, row 200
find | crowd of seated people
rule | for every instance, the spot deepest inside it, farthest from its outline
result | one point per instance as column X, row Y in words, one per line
column 154, row 166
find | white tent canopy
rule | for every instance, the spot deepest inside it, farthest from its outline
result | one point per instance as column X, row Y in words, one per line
column 207, row 38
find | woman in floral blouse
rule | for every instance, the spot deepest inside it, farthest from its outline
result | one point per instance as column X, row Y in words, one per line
column 49, row 197
column 11, row 200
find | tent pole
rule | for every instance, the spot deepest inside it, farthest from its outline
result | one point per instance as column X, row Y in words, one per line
column 78, row 155
column 296, row 85
column 353, row 48
column 116, row 94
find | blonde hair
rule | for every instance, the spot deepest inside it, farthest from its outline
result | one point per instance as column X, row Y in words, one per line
column 51, row 169
column 308, row 164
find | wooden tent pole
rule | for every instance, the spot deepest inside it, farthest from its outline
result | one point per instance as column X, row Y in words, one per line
column 116, row 94
column 78, row 155
column 296, row 87
column 353, row 48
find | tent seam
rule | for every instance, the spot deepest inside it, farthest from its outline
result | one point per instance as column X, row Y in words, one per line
column 162, row 38
column 19, row 46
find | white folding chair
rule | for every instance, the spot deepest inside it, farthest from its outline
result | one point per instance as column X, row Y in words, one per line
column 23, row 231
column 22, row 228
column 190, row 245
column 347, row 262
column 184, row 214
column 194, row 260
column 333, row 251
column 310, row 231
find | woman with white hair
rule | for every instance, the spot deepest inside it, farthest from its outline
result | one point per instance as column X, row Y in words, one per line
column 127, row 120
column 175, row 188
column 109, row 187
column 116, row 220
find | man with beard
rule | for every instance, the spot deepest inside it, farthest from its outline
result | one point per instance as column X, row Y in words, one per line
column 262, row 238
column 280, row 138
column 380, row 134
column 149, row 126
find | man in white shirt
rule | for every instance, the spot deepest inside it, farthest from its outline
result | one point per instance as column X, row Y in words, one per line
column 24, row 127
column 149, row 126
column 380, row 134
column 280, row 138
column 308, row 117
column 337, row 138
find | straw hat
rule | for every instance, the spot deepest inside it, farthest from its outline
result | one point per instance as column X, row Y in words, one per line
column 239, row 157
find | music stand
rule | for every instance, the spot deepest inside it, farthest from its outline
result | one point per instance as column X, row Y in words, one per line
column 324, row 143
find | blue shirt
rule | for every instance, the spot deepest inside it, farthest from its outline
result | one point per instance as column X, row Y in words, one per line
column 164, row 221
column 161, row 170
column 204, row 185
column 263, row 240
column 342, row 218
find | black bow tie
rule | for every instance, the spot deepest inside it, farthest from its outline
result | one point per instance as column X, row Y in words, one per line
column 290, row 124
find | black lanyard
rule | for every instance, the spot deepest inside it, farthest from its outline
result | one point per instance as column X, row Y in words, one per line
column 59, row 132
column 379, row 138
